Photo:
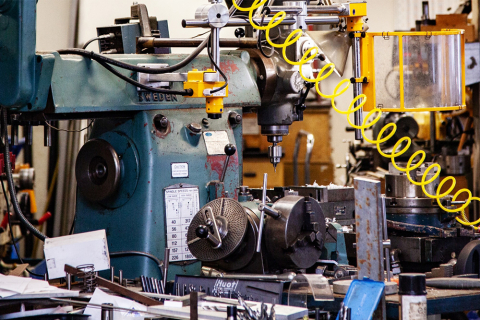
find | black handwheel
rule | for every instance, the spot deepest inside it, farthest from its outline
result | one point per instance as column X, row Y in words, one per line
column 468, row 261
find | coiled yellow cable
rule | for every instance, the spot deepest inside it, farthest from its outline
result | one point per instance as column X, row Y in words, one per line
column 340, row 89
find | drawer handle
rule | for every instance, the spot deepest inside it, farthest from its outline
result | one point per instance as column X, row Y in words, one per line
column 250, row 174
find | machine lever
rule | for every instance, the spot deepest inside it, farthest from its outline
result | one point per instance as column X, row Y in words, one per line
column 203, row 231
column 166, row 263
column 262, row 212
column 230, row 150
column 268, row 210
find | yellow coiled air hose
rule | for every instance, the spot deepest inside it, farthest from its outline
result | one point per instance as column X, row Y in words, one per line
column 339, row 89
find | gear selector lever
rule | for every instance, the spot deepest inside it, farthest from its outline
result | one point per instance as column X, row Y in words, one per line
column 230, row 150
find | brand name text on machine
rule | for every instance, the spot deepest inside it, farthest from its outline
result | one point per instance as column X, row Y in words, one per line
column 156, row 97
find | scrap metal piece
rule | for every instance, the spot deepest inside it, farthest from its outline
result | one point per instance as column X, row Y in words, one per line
column 117, row 288
column 89, row 277
column 369, row 231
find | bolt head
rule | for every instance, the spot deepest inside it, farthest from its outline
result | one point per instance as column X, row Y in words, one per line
column 194, row 127
column 234, row 118
column 164, row 122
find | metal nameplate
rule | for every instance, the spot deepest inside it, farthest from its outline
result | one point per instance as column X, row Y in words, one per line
column 253, row 290
column 181, row 204
column 215, row 141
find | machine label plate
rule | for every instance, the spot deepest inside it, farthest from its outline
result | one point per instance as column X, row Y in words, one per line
column 181, row 204
column 215, row 142
column 179, row 169
column 253, row 290
column 154, row 97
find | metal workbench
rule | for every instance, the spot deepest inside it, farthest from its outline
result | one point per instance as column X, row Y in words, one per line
column 439, row 301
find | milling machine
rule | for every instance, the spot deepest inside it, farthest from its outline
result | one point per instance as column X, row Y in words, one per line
column 167, row 134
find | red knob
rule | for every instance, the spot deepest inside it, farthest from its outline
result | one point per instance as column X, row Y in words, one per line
column 4, row 221
column 44, row 218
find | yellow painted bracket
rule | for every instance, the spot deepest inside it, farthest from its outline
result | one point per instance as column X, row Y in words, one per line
column 195, row 81
column 359, row 80
column 355, row 16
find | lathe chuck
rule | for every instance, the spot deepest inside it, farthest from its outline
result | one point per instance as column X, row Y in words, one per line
column 296, row 239
column 232, row 224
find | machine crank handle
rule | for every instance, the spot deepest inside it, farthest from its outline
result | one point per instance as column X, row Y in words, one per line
column 268, row 210
column 303, row 97
column 203, row 231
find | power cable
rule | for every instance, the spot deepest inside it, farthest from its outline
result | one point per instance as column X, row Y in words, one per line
column 11, row 186
column 217, row 67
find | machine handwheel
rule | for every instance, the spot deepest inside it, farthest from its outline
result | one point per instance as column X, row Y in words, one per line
column 468, row 261
column 97, row 170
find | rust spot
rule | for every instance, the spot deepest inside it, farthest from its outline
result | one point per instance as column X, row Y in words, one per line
column 367, row 201
column 229, row 67
column 362, row 261
column 217, row 162
column 145, row 124
column 148, row 181
column 368, row 226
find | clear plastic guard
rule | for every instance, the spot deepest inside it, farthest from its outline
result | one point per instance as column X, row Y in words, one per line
column 305, row 285
column 426, row 73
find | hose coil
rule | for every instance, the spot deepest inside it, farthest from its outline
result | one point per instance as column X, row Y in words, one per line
column 340, row 89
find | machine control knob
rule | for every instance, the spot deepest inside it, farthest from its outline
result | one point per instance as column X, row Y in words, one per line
column 194, row 127
column 201, row 231
column 230, row 150
column 239, row 33
column 234, row 118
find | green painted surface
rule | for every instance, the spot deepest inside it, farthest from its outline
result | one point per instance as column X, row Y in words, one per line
column 82, row 85
column 17, row 52
column 139, row 224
